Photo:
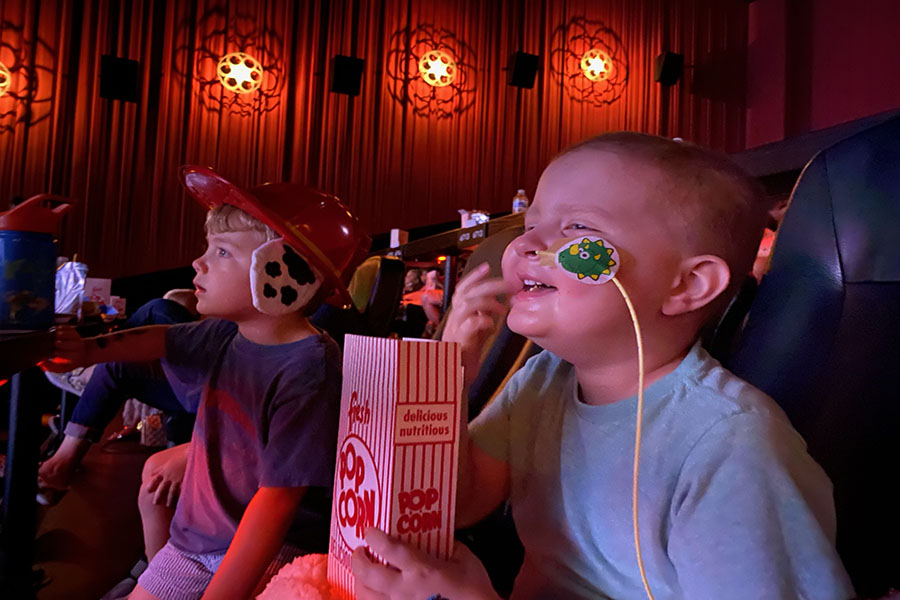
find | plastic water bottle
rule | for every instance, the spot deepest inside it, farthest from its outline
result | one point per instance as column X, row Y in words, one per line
column 520, row 202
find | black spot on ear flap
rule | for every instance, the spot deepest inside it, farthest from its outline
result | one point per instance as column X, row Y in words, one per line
column 297, row 267
column 269, row 291
column 288, row 295
column 273, row 269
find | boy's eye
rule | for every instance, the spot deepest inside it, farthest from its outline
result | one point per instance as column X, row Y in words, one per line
column 577, row 226
column 221, row 252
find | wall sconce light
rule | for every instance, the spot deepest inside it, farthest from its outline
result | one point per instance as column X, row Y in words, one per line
column 240, row 73
column 596, row 65
column 437, row 68
column 5, row 79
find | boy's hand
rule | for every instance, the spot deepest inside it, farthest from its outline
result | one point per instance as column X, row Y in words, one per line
column 473, row 315
column 70, row 350
column 413, row 574
column 165, row 481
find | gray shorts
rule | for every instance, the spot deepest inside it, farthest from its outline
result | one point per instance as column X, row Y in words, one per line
column 174, row 574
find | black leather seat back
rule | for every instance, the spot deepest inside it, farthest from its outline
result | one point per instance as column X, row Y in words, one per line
column 384, row 300
column 823, row 339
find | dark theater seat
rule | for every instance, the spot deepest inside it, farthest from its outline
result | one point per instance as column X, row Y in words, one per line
column 823, row 339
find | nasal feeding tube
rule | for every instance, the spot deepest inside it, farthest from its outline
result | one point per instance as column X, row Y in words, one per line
column 592, row 261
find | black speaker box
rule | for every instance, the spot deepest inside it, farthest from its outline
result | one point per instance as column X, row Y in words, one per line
column 119, row 78
column 522, row 69
column 346, row 74
column 668, row 67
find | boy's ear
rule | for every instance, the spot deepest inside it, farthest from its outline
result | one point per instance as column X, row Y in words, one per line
column 700, row 281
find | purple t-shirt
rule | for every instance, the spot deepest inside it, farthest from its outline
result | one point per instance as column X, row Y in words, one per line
column 267, row 417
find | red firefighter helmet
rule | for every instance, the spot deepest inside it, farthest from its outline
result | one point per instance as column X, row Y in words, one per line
column 316, row 224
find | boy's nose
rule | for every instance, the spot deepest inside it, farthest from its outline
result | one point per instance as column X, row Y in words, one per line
column 199, row 265
column 528, row 244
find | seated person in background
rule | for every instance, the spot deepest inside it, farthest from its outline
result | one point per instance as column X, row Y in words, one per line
column 412, row 282
column 261, row 461
column 431, row 298
column 178, row 306
column 730, row 503
column 105, row 388
column 776, row 215
column 411, row 318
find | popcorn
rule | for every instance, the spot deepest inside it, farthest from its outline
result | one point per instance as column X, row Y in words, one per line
column 303, row 579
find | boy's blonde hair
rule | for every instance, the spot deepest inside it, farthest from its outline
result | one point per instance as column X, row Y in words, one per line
column 226, row 218
column 721, row 210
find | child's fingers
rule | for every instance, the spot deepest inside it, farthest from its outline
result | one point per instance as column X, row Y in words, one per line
column 162, row 492
column 473, row 277
column 154, row 483
column 476, row 273
column 68, row 340
column 65, row 333
column 492, row 287
column 485, row 293
column 485, row 304
column 478, row 324
column 481, row 286
column 174, row 492
column 373, row 577
column 397, row 553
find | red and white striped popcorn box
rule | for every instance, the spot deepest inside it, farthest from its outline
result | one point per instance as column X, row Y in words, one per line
column 398, row 446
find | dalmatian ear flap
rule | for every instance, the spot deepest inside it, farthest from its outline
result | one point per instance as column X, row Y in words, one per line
column 281, row 280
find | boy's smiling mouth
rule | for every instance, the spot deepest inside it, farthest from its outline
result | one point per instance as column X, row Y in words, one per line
column 531, row 285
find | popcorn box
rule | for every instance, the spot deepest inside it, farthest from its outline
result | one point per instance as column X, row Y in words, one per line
column 97, row 289
column 398, row 447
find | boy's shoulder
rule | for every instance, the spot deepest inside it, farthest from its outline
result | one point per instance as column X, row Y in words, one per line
column 716, row 413
column 706, row 388
column 541, row 375
column 699, row 394
column 196, row 341
column 206, row 325
column 313, row 351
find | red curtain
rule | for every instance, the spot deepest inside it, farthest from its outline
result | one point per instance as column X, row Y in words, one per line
column 397, row 156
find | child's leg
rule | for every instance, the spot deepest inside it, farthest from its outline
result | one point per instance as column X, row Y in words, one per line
column 109, row 387
column 160, row 311
column 56, row 472
column 177, row 575
column 158, row 496
column 140, row 593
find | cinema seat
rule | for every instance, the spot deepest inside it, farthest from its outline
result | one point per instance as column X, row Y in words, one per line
column 823, row 339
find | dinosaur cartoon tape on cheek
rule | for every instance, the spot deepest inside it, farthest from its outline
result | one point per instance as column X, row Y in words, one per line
column 280, row 279
column 586, row 258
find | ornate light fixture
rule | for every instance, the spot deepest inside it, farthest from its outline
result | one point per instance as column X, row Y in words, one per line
column 5, row 79
column 596, row 65
column 437, row 68
column 240, row 73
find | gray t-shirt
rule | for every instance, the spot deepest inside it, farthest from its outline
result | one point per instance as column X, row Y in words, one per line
column 267, row 417
column 731, row 505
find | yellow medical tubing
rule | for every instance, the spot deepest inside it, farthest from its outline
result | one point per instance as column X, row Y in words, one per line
column 551, row 256
column 637, row 436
